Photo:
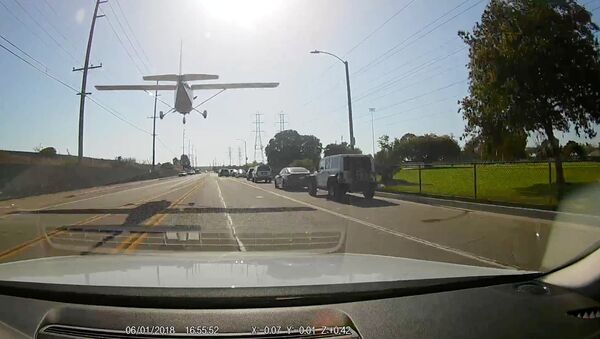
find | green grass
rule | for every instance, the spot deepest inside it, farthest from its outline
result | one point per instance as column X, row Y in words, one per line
column 514, row 183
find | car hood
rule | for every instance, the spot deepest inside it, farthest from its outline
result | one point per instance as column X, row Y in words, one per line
column 233, row 270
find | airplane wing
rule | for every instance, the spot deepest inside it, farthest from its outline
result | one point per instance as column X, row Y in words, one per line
column 237, row 85
column 182, row 77
column 136, row 87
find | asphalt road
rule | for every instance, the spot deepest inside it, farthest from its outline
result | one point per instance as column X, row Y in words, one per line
column 205, row 213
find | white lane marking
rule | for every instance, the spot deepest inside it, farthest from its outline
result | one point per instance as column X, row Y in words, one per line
column 95, row 197
column 229, row 221
column 393, row 232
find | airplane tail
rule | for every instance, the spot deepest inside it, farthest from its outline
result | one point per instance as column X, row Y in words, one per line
column 180, row 56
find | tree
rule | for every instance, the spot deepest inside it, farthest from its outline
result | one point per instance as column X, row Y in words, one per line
column 343, row 148
column 175, row 162
column 574, row 150
column 289, row 145
column 385, row 159
column 184, row 161
column 534, row 67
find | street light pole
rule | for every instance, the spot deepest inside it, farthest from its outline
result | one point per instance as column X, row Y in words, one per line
column 350, row 123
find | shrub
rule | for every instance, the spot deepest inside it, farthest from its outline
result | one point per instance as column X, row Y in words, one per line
column 48, row 152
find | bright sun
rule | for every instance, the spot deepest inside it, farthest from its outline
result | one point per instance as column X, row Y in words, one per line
column 245, row 13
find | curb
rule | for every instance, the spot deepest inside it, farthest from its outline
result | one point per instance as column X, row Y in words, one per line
column 495, row 208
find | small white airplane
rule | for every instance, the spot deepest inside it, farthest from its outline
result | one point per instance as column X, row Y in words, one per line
column 184, row 92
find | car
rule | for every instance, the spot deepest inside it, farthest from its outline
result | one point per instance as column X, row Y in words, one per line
column 262, row 173
column 182, row 174
column 191, row 172
column 292, row 177
column 343, row 173
column 249, row 173
column 241, row 173
column 224, row 172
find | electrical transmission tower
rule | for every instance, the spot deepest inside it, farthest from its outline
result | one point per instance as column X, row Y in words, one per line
column 282, row 122
column 258, row 145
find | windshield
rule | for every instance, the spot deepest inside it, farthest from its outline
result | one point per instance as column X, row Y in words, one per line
column 459, row 132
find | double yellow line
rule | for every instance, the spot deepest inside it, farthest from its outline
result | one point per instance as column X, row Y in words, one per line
column 130, row 244
column 14, row 250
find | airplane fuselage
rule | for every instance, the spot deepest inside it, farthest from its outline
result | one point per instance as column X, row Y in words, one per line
column 184, row 98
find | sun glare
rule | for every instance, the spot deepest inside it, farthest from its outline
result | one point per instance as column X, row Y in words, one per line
column 245, row 13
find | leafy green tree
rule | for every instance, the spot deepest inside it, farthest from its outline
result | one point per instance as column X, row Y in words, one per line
column 343, row 148
column 289, row 145
column 385, row 159
column 175, row 162
column 534, row 67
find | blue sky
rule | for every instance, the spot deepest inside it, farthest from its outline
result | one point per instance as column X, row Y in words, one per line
column 411, row 70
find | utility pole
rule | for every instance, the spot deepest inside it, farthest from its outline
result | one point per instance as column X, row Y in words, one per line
column 229, row 155
column 245, row 151
column 183, row 142
column 239, row 156
column 85, row 68
column 153, row 117
column 372, row 110
column 258, row 145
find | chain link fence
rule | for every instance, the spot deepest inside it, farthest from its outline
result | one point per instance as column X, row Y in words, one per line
column 531, row 183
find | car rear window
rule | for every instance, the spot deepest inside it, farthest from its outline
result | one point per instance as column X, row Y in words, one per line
column 264, row 168
column 298, row 170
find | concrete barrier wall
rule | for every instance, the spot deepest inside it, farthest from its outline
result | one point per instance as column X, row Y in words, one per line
column 27, row 176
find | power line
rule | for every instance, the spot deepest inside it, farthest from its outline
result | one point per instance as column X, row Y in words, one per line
column 22, row 51
column 367, row 37
column 106, row 108
column 132, row 32
column 16, row 17
column 379, row 27
column 423, row 94
column 127, row 36
column 45, row 31
column 40, row 70
column 392, row 51
column 391, row 82
column 51, row 7
column 115, row 113
column 166, row 147
column 123, row 45
column 412, row 109
column 51, row 24
column 409, row 85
